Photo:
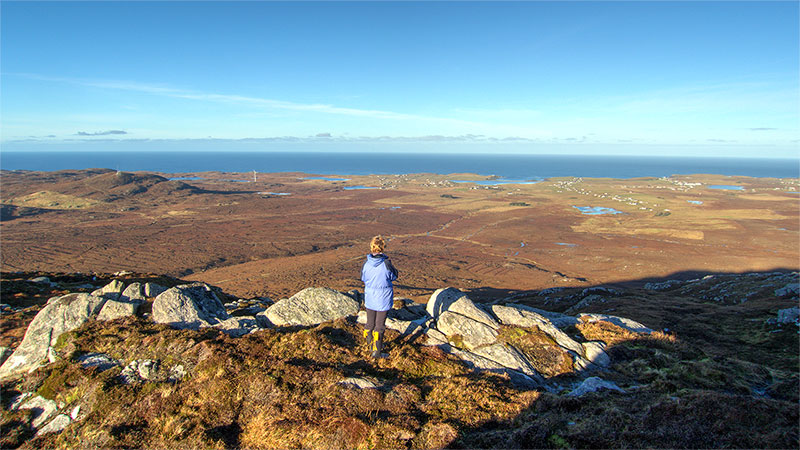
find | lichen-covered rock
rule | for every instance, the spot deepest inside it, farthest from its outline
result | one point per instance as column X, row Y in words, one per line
column 453, row 300
column 628, row 324
column 238, row 326
column 189, row 306
column 42, row 408
column 594, row 384
column 788, row 315
column 509, row 357
column 790, row 290
column 311, row 306
column 359, row 383
column 153, row 290
column 594, row 352
column 140, row 370
column 99, row 360
column 516, row 316
column 64, row 314
column 472, row 333
column 478, row 362
column 587, row 301
column 125, row 305
column 111, row 291
column 56, row 425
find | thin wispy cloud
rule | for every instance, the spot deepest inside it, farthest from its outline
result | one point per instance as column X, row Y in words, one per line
column 172, row 92
column 101, row 133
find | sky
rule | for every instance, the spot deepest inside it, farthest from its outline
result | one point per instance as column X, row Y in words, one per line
column 647, row 78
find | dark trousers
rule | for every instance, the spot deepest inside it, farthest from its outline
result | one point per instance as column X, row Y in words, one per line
column 376, row 320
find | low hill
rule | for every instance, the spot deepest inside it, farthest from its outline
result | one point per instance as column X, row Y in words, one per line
column 133, row 382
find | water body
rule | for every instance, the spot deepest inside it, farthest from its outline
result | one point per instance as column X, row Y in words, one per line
column 596, row 210
column 565, row 244
column 727, row 187
column 695, row 202
column 509, row 167
column 275, row 193
column 352, row 188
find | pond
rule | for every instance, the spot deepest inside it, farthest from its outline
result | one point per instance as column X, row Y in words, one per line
column 727, row 187
column 596, row 210
column 352, row 188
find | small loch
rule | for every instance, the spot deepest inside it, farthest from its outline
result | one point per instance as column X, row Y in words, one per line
column 596, row 210
column 352, row 188
column 726, row 187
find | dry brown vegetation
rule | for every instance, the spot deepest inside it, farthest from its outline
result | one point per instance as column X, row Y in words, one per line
column 280, row 388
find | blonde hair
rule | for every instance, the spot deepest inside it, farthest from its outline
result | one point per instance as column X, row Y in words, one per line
column 377, row 245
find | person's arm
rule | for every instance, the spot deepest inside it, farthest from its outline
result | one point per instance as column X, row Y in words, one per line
column 392, row 270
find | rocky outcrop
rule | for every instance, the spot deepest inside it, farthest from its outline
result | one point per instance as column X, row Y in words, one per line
column 594, row 384
column 189, row 306
column 63, row 314
column 99, row 360
column 140, row 370
column 126, row 304
column 111, row 291
column 238, row 326
column 628, row 324
column 515, row 316
column 471, row 333
column 56, row 425
column 788, row 291
column 42, row 408
column 311, row 306
column 453, row 300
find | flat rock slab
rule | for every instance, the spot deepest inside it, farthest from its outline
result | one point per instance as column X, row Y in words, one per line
column 472, row 333
column 509, row 357
column 515, row 316
column 311, row 306
column 559, row 320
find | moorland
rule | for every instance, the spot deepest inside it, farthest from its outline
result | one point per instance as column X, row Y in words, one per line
column 707, row 262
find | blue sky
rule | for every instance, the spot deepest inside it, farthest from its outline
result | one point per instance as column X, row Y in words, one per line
column 682, row 78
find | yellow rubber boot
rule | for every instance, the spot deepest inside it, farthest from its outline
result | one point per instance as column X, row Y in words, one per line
column 367, row 338
column 377, row 345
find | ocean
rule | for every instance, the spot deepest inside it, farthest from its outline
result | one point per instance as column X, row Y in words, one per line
column 518, row 167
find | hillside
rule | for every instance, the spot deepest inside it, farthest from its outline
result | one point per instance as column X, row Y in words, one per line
column 706, row 361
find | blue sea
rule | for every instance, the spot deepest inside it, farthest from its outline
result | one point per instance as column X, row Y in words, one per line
column 516, row 167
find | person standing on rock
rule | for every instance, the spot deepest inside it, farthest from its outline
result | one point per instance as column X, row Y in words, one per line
column 377, row 275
